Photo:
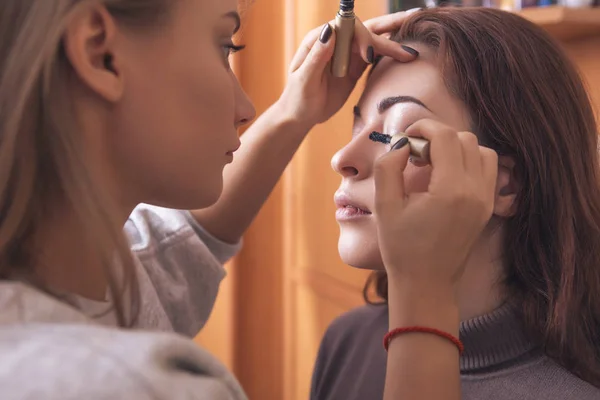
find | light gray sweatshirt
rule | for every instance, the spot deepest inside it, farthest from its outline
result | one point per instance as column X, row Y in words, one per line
column 50, row 350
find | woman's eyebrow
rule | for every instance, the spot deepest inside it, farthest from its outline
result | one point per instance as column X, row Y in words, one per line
column 388, row 102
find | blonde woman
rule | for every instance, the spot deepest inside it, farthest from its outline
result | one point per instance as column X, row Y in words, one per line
column 109, row 104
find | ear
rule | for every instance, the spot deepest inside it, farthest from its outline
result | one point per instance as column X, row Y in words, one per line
column 506, row 188
column 89, row 43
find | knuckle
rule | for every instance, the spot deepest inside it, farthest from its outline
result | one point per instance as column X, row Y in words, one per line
column 468, row 137
column 489, row 154
column 463, row 196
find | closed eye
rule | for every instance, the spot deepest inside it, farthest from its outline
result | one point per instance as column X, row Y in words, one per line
column 231, row 48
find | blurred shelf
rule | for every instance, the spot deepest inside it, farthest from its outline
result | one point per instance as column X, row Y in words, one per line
column 566, row 23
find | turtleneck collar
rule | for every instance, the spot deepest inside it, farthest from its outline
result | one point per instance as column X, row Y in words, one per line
column 493, row 339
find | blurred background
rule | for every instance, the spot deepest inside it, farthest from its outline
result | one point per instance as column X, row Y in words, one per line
column 288, row 282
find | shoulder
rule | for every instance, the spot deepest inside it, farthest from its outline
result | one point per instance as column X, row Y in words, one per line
column 353, row 331
column 560, row 383
column 539, row 378
column 357, row 321
column 180, row 263
column 350, row 351
column 149, row 225
column 77, row 361
column 151, row 230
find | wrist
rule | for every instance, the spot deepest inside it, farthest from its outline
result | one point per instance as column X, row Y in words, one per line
column 286, row 110
column 415, row 304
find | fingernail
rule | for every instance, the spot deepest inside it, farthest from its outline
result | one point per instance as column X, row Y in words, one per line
column 412, row 10
column 410, row 50
column 400, row 143
column 370, row 54
column 325, row 34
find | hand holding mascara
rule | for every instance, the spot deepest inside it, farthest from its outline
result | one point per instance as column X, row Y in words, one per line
column 314, row 92
column 456, row 207
column 349, row 31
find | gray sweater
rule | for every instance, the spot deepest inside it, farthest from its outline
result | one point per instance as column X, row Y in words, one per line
column 499, row 362
column 52, row 351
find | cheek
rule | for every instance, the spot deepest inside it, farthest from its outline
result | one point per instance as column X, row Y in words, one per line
column 416, row 179
column 207, row 97
column 177, row 117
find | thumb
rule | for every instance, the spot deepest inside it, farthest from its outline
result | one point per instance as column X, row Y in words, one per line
column 320, row 54
column 389, row 181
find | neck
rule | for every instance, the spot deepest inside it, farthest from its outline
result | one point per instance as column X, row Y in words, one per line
column 67, row 258
column 66, row 248
column 480, row 289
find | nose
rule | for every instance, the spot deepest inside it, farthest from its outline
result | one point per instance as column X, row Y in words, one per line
column 244, row 109
column 353, row 160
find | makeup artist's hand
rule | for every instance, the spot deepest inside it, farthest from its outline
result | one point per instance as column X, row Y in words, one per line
column 425, row 238
column 312, row 95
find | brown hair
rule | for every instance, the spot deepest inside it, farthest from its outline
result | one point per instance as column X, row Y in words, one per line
column 40, row 149
column 527, row 101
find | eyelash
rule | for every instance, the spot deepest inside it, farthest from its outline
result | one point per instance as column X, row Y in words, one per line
column 232, row 48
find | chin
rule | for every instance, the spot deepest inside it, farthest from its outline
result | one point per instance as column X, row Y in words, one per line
column 204, row 199
column 359, row 251
column 189, row 198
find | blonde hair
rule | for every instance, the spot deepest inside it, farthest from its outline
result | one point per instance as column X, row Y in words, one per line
column 40, row 151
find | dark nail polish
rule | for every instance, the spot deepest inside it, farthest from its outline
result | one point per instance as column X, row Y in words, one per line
column 370, row 54
column 410, row 50
column 400, row 143
column 326, row 34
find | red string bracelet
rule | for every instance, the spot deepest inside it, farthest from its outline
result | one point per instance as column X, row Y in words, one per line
column 421, row 329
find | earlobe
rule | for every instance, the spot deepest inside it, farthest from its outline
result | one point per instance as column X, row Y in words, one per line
column 506, row 189
column 89, row 43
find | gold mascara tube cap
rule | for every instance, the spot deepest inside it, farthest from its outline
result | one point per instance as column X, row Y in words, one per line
column 419, row 147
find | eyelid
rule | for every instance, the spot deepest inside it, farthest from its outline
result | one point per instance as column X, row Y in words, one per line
column 235, row 47
column 401, row 128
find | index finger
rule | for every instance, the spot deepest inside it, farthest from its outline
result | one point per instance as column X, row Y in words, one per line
column 389, row 22
column 381, row 46
column 305, row 46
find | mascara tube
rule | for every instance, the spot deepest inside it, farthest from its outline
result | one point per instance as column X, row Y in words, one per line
column 344, row 34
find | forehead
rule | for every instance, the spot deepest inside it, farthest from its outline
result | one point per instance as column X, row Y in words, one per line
column 208, row 9
column 224, row 6
column 421, row 79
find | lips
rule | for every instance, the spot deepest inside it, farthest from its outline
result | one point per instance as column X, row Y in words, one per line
column 347, row 207
column 230, row 152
